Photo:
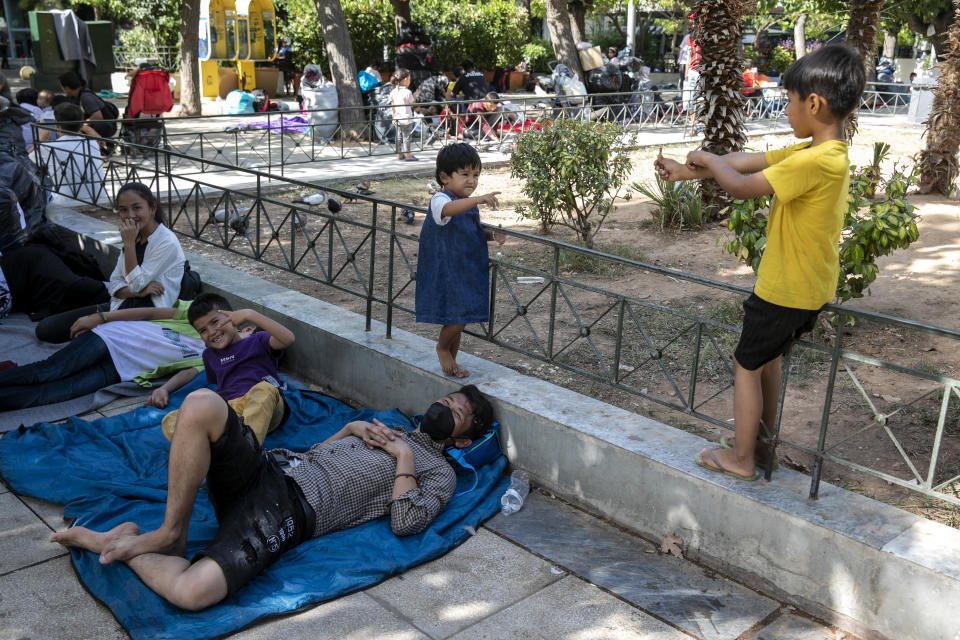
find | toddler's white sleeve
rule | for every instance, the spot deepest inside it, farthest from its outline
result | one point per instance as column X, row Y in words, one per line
column 439, row 199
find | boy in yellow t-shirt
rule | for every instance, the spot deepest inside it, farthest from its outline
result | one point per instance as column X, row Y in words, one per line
column 800, row 264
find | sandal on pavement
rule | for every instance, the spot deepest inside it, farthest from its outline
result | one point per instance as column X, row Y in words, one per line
column 759, row 454
column 719, row 468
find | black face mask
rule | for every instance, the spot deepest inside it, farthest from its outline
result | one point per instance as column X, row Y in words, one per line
column 438, row 422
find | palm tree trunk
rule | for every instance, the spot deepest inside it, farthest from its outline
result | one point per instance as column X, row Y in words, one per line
column 938, row 162
column 717, row 30
column 558, row 25
column 862, row 36
column 343, row 68
column 189, row 66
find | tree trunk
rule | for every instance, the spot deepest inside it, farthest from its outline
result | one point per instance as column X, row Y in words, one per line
column 800, row 36
column 941, row 25
column 343, row 68
column 862, row 36
column 577, row 12
column 401, row 13
column 938, row 162
column 890, row 44
column 558, row 25
column 717, row 30
column 189, row 65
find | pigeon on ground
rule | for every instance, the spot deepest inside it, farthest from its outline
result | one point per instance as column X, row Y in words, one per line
column 407, row 215
column 314, row 199
column 334, row 205
column 363, row 188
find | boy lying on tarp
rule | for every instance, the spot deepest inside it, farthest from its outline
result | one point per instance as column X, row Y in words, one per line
column 267, row 502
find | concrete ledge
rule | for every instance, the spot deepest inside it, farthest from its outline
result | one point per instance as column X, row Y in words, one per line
column 869, row 567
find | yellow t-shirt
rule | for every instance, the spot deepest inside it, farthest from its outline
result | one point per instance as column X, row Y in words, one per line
column 801, row 261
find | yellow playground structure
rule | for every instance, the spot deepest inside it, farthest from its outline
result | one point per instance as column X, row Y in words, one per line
column 244, row 31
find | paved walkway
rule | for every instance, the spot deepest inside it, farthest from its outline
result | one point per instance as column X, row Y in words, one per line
column 549, row 571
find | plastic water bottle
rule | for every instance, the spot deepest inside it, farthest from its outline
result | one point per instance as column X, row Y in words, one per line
column 513, row 497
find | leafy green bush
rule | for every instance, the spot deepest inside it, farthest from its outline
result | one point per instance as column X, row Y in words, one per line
column 489, row 32
column 537, row 53
column 137, row 40
column 871, row 228
column 675, row 204
column 779, row 59
column 605, row 38
column 572, row 173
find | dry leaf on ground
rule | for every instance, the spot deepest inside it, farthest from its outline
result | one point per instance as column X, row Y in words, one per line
column 673, row 545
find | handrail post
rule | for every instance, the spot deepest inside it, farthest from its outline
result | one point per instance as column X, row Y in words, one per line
column 373, row 265
column 825, row 418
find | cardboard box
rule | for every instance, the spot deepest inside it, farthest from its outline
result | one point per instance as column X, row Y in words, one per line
column 591, row 58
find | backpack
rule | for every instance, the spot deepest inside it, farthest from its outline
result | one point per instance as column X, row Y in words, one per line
column 260, row 100
column 108, row 110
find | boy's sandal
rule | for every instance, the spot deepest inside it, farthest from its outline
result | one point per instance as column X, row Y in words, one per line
column 727, row 442
column 412, row 159
column 719, row 468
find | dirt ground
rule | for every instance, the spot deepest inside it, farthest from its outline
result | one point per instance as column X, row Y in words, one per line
column 919, row 283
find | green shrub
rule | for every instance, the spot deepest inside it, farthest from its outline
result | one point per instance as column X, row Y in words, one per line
column 537, row 53
column 489, row 32
column 572, row 173
column 675, row 204
column 871, row 228
column 779, row 59
column 137, row 40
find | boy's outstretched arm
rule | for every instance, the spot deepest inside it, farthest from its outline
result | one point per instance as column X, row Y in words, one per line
column 673, row 171
column 738, row 185
column 747, row 162
column 280, row 336
column 86, row 323
column 161, row 395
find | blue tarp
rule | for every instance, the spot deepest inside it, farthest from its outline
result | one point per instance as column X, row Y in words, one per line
column 114, row 470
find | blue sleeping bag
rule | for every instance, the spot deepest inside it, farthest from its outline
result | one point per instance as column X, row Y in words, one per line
column 114, row 470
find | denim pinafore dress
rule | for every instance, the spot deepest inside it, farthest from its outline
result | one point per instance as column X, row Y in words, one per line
column 452, row 282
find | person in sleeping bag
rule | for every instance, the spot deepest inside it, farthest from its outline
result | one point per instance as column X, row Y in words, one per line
column 267, row 502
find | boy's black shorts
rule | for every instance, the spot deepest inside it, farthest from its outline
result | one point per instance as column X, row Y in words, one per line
column 260, row 510
column 769, row 330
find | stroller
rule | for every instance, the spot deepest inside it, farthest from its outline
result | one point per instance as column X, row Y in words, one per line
column 149, row 99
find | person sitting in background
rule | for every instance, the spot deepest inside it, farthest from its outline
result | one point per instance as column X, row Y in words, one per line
column 481, row 118
column 374, row 69
column 94, row 108
column 751, row 81
column 74, row 159
column 27, row 100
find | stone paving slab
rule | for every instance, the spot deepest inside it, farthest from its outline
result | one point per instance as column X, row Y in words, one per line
column 23, row 536
column 47, row 601
column 480, row 577
column 353, row 617
column 692, row 598
column 571, row 609
column 50, row 513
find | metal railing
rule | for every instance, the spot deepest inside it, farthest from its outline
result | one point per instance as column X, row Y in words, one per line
column 166, row 56
column 663, row 338
column 277, row 140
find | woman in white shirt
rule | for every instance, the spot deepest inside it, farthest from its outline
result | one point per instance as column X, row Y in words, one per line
column 150, row 268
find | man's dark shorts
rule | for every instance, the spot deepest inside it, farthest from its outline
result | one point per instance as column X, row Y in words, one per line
column 769, row 331
column 260, row 510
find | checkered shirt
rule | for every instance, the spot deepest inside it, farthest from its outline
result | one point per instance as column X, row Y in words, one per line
column 348, row 484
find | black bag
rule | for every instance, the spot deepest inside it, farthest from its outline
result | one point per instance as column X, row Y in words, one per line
column 108, row 110
column 190, row 284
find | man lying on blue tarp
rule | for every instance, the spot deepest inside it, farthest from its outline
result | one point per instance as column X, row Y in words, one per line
column 267, row 502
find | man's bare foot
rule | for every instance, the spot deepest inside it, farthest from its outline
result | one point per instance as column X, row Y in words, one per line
column 449, row 365
column 123, row 547
column 90, row 540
